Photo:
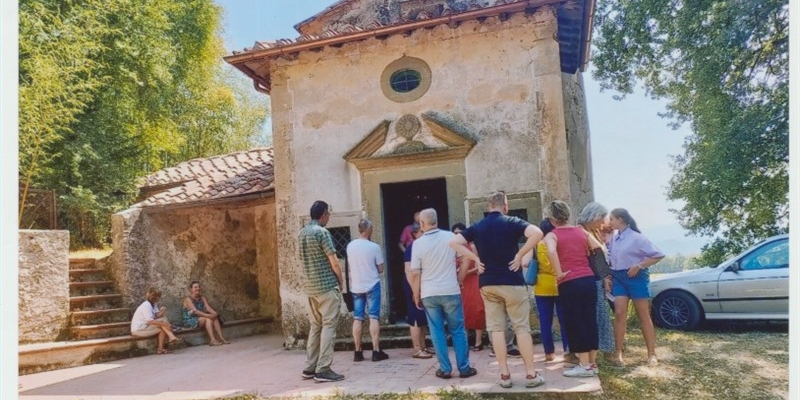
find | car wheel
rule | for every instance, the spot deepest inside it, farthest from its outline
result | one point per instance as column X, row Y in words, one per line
column 676, row 310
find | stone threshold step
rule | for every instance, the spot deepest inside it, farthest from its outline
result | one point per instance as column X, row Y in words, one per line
column 38, row 357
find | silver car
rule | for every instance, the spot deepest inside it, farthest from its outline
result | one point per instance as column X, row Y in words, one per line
column 752, row 285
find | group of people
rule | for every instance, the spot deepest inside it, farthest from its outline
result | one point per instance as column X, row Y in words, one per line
column 150, row 319
column 567, row 284
column 447, row 271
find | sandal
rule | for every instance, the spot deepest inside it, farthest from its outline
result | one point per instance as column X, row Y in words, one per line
column 215, row 343
column 162, row 351
column 177, row 340
column 226, row 342
column 430, row 350
column 478, row 347
column 422, row 354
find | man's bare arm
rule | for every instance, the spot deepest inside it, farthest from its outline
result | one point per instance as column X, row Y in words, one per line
column 336, row 269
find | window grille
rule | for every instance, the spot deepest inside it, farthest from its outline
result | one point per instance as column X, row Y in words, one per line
column 341, row 237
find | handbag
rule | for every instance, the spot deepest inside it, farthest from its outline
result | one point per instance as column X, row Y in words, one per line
column 532, row 272
column 347, row 296
column 598, row 263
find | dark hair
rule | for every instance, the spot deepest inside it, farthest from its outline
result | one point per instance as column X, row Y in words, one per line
column 546, row 226
column 415, row 227
column 458, row 225
column 626, row 217
column 192, row 283
column 318, row 209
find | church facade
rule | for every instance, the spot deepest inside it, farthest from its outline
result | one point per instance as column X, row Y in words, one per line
column 384, row 107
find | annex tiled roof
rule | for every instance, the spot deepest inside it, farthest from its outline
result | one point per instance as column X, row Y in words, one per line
column 210, row 179
column 574, row 31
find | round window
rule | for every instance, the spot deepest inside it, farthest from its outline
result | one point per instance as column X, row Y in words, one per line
column 405, row 79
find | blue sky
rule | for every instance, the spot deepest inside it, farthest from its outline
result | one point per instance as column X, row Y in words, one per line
column 631, row 144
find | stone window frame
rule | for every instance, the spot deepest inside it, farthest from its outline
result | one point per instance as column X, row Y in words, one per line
column 402, row 63
column 531, row 202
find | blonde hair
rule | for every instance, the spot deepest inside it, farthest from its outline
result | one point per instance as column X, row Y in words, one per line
column 152, row 294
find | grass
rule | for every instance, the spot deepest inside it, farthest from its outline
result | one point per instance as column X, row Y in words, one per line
column 720, row 361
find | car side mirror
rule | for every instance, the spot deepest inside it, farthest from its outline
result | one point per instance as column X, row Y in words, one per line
column 735, row 267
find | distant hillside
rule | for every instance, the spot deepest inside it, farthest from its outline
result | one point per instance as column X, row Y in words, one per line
column 673, row 240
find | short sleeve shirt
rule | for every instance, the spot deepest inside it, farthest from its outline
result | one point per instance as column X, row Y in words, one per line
column 316, row 244
column 629, row 248
column 363, row 258
column 497, row 238
column 407, row 236
column 432, row 256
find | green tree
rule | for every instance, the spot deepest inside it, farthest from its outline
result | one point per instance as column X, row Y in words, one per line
column 112, row 90
column 723, row 68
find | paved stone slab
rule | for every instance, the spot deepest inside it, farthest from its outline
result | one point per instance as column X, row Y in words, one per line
column 259, row 365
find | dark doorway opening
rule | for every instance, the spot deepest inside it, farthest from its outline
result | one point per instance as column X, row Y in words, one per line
column 400, row 202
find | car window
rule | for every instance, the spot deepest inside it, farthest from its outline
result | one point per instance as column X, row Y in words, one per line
column 769, row 256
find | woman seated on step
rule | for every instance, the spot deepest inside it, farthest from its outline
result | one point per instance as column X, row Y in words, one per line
column 198, row 313
column 149, row 320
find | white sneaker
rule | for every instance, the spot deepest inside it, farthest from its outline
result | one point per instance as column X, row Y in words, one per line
column 579, row 372
column 594, row 369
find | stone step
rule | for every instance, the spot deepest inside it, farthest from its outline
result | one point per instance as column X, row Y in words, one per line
column 82, row 263
column 87, row 274
column 39, row 357
column 95, row 302
column 77, row 289
column 398, row 337
column 96, row 317
column 107, row 330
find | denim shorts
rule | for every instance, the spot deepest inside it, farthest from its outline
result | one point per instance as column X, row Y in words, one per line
column 370, row 299
column 635, row 288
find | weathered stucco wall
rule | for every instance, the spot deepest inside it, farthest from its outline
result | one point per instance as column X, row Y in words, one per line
column 580, row 152
column 43, row 285
column 497, row 80
column 230, row 251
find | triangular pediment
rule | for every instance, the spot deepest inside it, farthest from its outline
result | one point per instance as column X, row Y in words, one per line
column 410, row 140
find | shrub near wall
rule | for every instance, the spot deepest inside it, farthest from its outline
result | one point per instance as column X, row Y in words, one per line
column 43, row 285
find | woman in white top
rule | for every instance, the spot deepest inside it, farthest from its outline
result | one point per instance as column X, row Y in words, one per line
column 149, row 320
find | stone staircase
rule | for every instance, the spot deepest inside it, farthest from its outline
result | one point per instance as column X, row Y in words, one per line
column 95, row 307
column 99, row 327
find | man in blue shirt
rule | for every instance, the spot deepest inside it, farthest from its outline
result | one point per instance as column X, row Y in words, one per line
column 503, row 288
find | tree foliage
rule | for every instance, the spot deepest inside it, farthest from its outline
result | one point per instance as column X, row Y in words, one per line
column 111, row 90
column 723, row 68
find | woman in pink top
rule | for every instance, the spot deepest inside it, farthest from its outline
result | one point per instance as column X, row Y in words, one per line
column 567, row 248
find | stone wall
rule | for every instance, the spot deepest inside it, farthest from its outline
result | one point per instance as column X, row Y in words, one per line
column 43, row 285
column 223, row 248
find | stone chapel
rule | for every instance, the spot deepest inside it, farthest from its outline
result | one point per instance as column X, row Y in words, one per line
column 384, row 107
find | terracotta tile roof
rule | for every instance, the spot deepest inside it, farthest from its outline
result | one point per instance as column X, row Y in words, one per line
column 575, row 18
column 209, row 179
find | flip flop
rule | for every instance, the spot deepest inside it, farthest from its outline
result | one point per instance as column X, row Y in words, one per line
column 162, row 351
column 422, row 354
column 215, row 343
column 226, row 342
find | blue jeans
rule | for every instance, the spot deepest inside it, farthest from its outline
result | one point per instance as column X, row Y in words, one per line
column 545, row 305
column 441, row 310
